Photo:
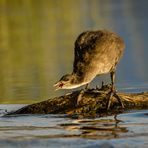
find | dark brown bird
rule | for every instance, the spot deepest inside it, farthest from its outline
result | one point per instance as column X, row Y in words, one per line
column 95, row 53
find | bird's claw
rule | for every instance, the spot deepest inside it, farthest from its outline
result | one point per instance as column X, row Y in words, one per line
column 79, row 98
column 109, row 98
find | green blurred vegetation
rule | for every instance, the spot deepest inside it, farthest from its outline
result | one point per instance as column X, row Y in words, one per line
column 37, row 37
column 33, row 36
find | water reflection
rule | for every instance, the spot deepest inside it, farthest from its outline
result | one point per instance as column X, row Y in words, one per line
column 36, row 42
column 61, row 126
column 60, row 130
column 97, row 129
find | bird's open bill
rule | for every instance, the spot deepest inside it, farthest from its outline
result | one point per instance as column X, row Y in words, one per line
column 58, row 85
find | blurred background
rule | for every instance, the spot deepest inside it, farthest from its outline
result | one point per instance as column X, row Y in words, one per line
column 37, row 40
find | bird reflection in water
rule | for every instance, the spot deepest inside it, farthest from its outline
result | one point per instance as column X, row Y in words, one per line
column 96, row 128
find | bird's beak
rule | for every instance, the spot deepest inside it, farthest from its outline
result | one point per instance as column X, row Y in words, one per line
column 58, row 85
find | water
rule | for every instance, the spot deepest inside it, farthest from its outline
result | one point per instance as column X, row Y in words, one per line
column 36, row 49
column 131, row 131
column 37, row 40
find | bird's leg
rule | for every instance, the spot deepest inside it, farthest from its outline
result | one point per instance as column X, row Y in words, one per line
column 87, row 86
column 102, row 84
column 112, row 75
column 113, row 92
column 79, row 98
column 109, row 97
column 81, row 93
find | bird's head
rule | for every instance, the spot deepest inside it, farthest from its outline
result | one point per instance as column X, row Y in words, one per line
column 66, row 82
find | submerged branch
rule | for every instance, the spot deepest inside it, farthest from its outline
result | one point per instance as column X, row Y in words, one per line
column 93, row 103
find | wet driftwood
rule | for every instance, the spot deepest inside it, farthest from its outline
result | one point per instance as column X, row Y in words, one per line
column 92, row 103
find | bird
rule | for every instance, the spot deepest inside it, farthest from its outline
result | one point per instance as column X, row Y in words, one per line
column 96, row 52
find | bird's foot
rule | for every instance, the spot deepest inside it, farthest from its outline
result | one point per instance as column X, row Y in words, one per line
column 110, row 95
column 81, row 93
column 119, row 99
column 79, row 98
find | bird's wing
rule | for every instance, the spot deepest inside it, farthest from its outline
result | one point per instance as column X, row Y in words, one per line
column 103, row 46
column 83, row 47
column 78, row 61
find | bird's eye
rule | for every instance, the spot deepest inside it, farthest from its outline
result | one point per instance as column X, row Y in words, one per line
column 66, row 79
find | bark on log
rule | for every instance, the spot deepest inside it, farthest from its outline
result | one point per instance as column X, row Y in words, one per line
column 93, row 103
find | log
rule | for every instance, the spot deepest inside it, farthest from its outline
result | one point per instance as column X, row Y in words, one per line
column 92, row 104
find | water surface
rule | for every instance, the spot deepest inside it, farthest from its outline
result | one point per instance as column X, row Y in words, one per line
column 36, row 49
column 130, row 131
column 37, row 41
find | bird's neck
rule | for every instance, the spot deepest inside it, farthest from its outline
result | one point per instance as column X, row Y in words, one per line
column 76, row 79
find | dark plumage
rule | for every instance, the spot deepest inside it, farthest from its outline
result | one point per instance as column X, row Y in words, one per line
column 96, row 52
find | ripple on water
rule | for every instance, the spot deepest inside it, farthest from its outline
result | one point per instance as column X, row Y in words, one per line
column 130, row 130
